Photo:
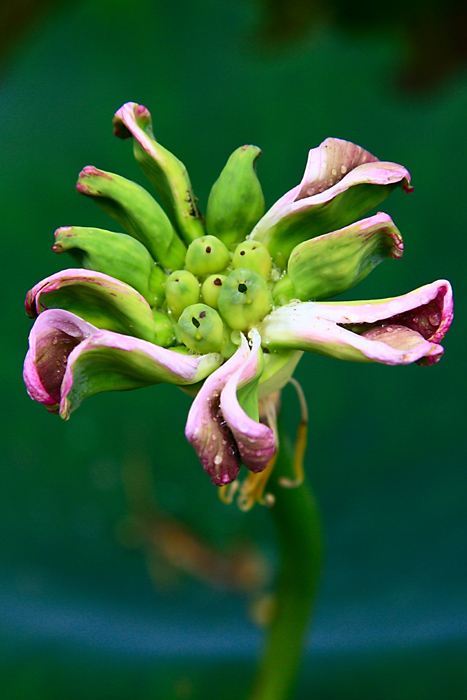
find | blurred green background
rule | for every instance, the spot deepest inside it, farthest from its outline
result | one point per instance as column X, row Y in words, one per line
column 97, row 599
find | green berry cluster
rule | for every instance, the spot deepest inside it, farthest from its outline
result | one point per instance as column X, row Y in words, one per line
column 219, row 292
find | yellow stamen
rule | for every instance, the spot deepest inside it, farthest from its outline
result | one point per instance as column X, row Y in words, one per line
column 252, row 488
column 227, row 493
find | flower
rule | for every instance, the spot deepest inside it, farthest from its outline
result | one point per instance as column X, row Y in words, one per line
column 225, row 308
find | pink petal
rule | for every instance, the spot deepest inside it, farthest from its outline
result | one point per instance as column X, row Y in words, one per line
column 343, row 329
column 206, row 428
column 53, row 337
column 255, row 440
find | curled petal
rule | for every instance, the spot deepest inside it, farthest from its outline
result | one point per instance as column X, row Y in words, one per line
column 206, row 428
column 355, row 331
column 341, row 183
column 255, row 440
column 164, row 171
column 98, row 298
column 115, row 254
column 109, row 361
column 69, row 360
column 329, row 265
column 136, row 211
column 53, row 337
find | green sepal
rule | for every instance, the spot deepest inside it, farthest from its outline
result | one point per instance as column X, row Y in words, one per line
column 166, row 173
column 329, row 265
column 139, row 214
column 236, row 201
column 115, row 254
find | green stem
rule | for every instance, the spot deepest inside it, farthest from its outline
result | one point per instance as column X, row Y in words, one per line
column 298, row 529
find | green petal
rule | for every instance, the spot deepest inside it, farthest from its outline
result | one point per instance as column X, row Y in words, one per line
column 164, row 171
column 341, row 183
column 328, row 265
column 115, row 254
column 236, row 201
column 136, row 211
column 97, row 298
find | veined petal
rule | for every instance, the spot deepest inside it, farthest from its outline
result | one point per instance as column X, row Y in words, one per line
column 97, row 298
column 109, row 361
column 355, row 330
column 53, row 336
column 164, row 171
column 255, row 440
column 341, row 183
column 206, row 428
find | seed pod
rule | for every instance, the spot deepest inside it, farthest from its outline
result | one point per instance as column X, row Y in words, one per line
column 255, row 256
column 211, row 288
column 201, row 329
column 181, row 290
column 245, row 299
column 206, row 256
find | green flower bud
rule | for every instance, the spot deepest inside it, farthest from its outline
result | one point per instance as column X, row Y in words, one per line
column 181, row 290
column 201, row 329
column 211, row 288
column 165, row 333
column 236, row 202
column 206, row 256
column 255, row 256
column 244, row 299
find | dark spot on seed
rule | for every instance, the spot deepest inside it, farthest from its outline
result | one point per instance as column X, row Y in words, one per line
column 242, row 252
column 202, row 314
column 218, row 282
column 208, row 249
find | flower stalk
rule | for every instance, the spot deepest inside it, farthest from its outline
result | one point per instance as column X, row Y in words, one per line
column 298, row 529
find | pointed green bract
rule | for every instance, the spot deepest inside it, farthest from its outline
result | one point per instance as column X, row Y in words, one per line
column 134, row 209
column 328, row 265
column 115, row 254
column 165, row 172
column 236, row 201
